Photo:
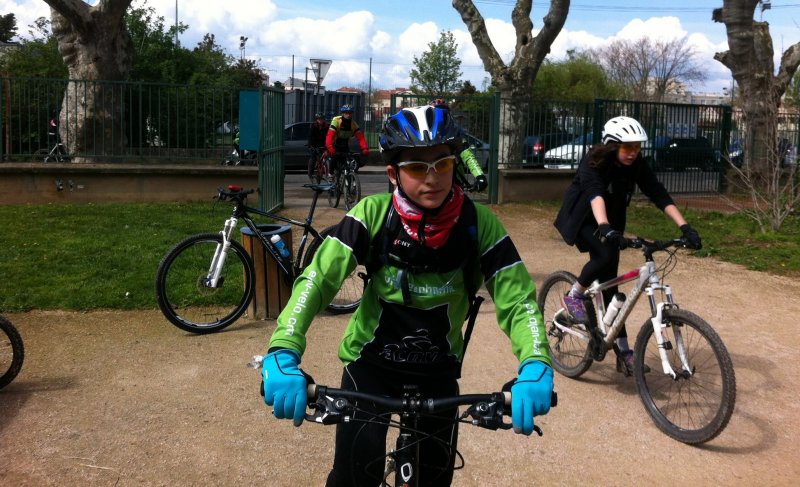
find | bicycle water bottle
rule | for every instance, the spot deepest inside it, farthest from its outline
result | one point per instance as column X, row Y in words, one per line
column 280, row 245
column 613, row 308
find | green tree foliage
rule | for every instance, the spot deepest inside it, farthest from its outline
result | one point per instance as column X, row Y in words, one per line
column 36, row 56
column 793, row 92
column 574, row 79
column 156, row 58
column 437, row 72
column 8, row 27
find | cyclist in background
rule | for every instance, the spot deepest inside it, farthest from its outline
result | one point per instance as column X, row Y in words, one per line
column 467, row 157
column 592, row 216
column 337, row 142
column 427, row 249
column 316, row 141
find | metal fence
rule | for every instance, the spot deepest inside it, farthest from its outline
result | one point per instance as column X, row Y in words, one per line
column 152, row 121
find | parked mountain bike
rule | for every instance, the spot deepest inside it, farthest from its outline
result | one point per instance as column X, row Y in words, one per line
column 206, row 282
column 347, row 182
column 12, row 352
column 58, row 153
column 683, row 372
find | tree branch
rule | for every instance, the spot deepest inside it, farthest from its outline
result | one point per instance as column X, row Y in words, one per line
column 76, row 12
column 480, row 37
column 790, row 60
column 553, row 22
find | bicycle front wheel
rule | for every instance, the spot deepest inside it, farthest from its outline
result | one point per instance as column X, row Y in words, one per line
column 12, row 352
column 352, row 190
column 335, row 194
column 349, row 296
column 696, row 406
column 184, row 294
column 569, row 345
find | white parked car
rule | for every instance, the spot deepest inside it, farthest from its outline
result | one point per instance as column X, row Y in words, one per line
column 568, row 156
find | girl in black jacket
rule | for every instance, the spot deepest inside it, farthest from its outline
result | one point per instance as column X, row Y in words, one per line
column 592, row 216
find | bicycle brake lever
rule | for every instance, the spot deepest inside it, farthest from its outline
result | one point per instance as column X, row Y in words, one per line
column 329, row 410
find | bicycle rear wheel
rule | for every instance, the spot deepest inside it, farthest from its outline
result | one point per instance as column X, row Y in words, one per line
column 570, row 352
column 349, row 296
column 41, row 155
column 12, row 352
column 697, row 405
column 352, row 190
column 182, row 291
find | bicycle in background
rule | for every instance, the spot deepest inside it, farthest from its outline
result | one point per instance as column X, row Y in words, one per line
column 683, row 372
column 344, row 177
column 58, row 153
column 12, row 352
column 206, row 281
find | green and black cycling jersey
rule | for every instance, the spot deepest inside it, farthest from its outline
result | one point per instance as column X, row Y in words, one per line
column 425, row 334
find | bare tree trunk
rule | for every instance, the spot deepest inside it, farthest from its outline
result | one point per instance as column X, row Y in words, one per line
column 749, row 58
column 97, row 50
column 514, row 81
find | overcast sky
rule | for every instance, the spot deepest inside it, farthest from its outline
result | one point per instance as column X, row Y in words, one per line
column 391, row 32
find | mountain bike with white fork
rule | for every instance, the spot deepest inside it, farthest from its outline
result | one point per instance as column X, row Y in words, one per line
column 683, row 372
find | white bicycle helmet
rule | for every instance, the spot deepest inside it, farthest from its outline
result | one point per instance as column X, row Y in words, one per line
column 623, row 129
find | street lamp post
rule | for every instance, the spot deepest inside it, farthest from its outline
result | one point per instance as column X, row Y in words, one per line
column 177, row 42
column 242, row 41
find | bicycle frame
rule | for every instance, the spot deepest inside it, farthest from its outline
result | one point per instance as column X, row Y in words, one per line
column 242, row 211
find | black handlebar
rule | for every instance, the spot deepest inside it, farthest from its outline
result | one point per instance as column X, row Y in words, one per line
column 332, row 406
column 656, row 245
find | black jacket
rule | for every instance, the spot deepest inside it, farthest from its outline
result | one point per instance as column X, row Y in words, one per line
column 616, row 184
column 316, row 136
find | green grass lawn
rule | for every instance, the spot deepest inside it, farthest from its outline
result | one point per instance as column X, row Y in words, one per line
column 80, row 257
column 93, row 255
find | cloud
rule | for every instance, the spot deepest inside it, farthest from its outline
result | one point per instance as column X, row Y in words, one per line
column 348, row 36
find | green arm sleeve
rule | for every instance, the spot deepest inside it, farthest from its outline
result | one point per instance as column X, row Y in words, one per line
column 472, row 163
column 312, row 291
column 512, row 290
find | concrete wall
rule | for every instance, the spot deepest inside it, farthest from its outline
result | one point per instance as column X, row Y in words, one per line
column 22, row 183
column 520, row 185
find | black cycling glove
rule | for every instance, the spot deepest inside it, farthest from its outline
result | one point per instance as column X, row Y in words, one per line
column 611, row 236
column 481, row 183
column 691, row 236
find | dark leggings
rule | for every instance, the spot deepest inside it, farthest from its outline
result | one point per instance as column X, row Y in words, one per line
column 359, row 458
column 603, row 263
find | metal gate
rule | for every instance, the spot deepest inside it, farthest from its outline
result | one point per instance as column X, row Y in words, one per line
column 271, row 160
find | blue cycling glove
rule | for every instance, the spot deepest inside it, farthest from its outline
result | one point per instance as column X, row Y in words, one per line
column 530, row 395
column 284, row 385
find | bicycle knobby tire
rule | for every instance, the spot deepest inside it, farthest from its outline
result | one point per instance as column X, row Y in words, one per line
column 570, row 355
column 183, row 295
column 12, row 352
column 695, row 407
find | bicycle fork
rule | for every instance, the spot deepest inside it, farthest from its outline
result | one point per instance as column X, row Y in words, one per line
column 660, row 333
column 212, row 279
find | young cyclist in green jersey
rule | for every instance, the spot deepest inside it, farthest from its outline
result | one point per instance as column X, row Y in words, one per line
column 408, row 327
